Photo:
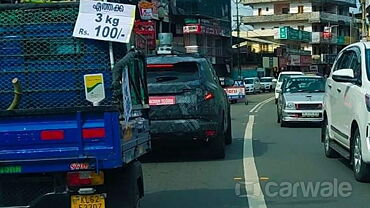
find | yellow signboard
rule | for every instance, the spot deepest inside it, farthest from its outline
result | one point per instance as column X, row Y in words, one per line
column 94, row 88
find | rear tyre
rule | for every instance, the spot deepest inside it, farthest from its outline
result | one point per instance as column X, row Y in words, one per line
column 125, row 186
column 228, row 133
column 278, row 115
column 325, row 137
column 360, row 168
column 216, row 147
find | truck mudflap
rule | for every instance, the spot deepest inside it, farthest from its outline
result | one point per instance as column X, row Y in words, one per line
column 60, row 142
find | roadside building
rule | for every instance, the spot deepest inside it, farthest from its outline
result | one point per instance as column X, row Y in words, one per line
column 257, row 57
column 328, row 26
column 204, row 27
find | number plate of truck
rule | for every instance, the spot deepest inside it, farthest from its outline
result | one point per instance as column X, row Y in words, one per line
column 88, row 201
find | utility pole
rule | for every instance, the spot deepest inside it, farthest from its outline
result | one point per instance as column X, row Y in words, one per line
column 364, row 30
column 238, row 36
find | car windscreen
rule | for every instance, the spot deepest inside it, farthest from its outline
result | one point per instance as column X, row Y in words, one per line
column 248, row 81
column 266, row 80
column 310, row 85
column 170, row 73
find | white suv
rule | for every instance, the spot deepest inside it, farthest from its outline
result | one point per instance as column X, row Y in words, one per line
column 346, row 123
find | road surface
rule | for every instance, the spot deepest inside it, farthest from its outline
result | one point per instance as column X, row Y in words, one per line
column 267, row 166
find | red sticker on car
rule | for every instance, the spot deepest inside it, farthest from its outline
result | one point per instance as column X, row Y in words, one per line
column 163, row 100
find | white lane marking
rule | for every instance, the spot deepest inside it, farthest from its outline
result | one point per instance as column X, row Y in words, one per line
column 264, row 103
column 255, row 107
column 256, row 199
column 260, row 105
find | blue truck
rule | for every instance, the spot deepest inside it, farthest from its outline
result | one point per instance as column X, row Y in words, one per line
column 56, row 148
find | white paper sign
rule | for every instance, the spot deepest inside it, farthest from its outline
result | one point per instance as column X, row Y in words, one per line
column 105, row 21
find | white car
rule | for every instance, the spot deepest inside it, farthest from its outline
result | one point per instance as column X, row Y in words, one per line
column 280, row 80
column 346, row 126
column 266, row 84
column 252, row 85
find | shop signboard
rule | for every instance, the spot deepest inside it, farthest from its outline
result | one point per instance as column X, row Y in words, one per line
column 147, row 29
column 146, row 10
column 193, row 28
column 288, row 33
column 306, row 60
column 294, row 60
column 270, row 62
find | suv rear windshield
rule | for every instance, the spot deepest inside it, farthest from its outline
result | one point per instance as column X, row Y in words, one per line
column 179, row 72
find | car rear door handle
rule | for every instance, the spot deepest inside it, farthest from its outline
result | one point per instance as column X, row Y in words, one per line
column 329, row 86
column 339, row 90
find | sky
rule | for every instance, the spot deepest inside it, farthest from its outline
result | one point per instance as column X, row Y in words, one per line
column 243, row 11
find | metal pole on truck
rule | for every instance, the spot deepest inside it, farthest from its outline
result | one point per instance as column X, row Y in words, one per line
column 238, row 36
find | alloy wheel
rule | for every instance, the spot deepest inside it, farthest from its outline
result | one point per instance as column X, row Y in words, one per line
column 357, row 157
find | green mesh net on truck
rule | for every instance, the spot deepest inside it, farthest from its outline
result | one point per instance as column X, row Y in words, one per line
column 37, row 48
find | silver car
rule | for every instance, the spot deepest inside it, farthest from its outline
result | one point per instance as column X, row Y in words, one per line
column 301, row 100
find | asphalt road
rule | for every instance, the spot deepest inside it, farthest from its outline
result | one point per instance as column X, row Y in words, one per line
column 295, row 155
column 178, row 176
column 288, row 161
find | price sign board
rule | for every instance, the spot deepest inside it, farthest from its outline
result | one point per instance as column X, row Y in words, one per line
column 105, row 21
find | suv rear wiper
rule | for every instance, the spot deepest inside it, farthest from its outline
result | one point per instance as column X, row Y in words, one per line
column 165, row 79
column 317, row 91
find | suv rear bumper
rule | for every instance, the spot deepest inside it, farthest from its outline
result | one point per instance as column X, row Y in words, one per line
column 183, row 127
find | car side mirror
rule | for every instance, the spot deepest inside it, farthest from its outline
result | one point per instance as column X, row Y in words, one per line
column 344, row 75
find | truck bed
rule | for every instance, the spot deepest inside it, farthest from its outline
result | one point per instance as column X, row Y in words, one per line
column 90, row 138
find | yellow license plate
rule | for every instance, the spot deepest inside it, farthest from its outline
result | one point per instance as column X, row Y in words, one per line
column 88, row 201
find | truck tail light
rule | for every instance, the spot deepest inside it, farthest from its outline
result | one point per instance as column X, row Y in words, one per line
column 85, row 178
column 209, row 96
column 49, row 135
column 93, row 133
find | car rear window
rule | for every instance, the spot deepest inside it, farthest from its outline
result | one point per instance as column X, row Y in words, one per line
column 248, row 81
column 306, row 84
column 178, row 72
column 266, row 80
column 284, row 76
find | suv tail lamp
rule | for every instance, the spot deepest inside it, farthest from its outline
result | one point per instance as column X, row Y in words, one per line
column 209, row 96
column 85, row 178
column 160, row 66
